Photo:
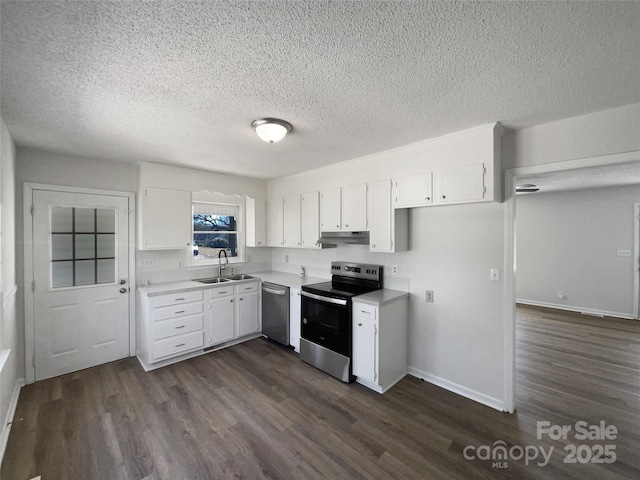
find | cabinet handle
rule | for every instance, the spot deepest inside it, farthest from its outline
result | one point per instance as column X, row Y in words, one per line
column 181, row 326
column 373, row 246
column 359, row 324
column 181, row 345
column 178, row 299
column 181, row 311
column 241, row 298
column 427, row 198
column 444, row 196
column 337, row 226
column 231, row 301
column 222, row 292
column 347, row 226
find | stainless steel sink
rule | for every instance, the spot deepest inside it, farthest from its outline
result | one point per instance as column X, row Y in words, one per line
column 213, row 280
column 240, row 276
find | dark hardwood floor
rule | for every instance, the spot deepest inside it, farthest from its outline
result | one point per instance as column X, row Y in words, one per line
column 256, row 411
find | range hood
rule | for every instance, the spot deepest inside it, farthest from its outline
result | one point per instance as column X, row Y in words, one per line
column 344, row 238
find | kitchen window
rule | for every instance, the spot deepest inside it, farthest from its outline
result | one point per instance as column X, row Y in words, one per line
column 217, row 228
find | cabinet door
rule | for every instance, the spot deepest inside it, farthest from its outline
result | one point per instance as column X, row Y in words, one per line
column 166, row 219
column 458, row 185
column 292, row 221
column 222, row 320
column 294, row 319
column 413, row 191
column 381, row 213
column 275, row 223
column 354, row 208
column 310, row 220
column 248, row 319
column 330, row 216
column 365, row 349
column 256, row 222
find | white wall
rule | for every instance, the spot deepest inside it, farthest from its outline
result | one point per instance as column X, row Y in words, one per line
column 568, row 242
column 457, row 341
column 11, row 331
column 601, row 133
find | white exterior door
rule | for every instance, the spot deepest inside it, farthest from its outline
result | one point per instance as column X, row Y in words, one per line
column 81, row 281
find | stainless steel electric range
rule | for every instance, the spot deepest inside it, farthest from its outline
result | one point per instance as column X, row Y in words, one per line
column 326, row 330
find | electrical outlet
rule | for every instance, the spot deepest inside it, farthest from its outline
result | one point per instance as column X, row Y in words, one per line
column 146, row 263
column 428, row 297
column 624, row 253
column 179, row 263
column 394, row 269
column 494, row 274
column 560, row 295
column 286, row 259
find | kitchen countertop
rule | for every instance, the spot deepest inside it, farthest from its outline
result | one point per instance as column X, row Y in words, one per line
column 381, row 297
column 286, row 279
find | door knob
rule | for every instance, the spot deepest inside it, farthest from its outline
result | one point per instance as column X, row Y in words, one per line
column 123, row 290
column 122, row 281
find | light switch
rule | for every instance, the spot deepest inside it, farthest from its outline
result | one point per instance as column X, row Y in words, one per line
column 495, row 274
column 624, row 253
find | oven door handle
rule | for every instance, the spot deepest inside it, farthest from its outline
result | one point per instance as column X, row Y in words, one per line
column 337, row 301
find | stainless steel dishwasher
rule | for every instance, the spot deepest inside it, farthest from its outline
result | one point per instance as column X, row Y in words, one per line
column 275, row 312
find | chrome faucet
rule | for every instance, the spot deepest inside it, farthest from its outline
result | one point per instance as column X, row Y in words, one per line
column 220, row 267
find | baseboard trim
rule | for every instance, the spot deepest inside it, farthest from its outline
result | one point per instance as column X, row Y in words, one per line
column 6, row 426
column 458, row 389
column 571, row 308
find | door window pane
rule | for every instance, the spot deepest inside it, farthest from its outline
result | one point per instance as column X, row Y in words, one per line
column 106, row 271
column 62, row 219
column 85, row 246
column 85, row 272
column 61, row 274
column 61, row 247
column 106, row 220
column 85, row 219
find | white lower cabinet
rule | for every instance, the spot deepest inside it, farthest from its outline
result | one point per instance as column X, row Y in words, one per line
column 169, row 325
column 175, row 326
column 222, row 320
column 380, row 343
column 234, row 312
column 248, row 314
column 294, row 318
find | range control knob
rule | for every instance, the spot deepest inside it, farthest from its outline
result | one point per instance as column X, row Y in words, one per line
column 304, row 320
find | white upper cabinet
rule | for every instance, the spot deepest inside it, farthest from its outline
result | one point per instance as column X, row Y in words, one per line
column 413, row 191
column 165, row 220
column 459, row 185
column 310, row 220
column 354, row 207
column 292, row 221
column 330, row 210
column 344, row 209
column 275, row 222
column 388, row 228
column 256, row 212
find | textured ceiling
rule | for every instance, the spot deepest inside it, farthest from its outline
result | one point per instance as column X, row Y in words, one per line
column 180, row 82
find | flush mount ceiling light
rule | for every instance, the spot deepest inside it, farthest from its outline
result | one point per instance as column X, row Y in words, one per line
column 271, row 130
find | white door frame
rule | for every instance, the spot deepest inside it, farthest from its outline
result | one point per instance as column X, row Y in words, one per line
column 636, row 261
column 509, row 308
column 29, row 324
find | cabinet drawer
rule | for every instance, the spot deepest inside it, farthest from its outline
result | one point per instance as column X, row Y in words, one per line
column 177, row 311
column 365, row 311
column 178, row 327
column 176, row 345
column 221, row 292
column 247, row 287
column 177, row 298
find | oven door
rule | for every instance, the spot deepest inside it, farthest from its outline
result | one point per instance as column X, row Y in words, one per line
column 326, row 321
